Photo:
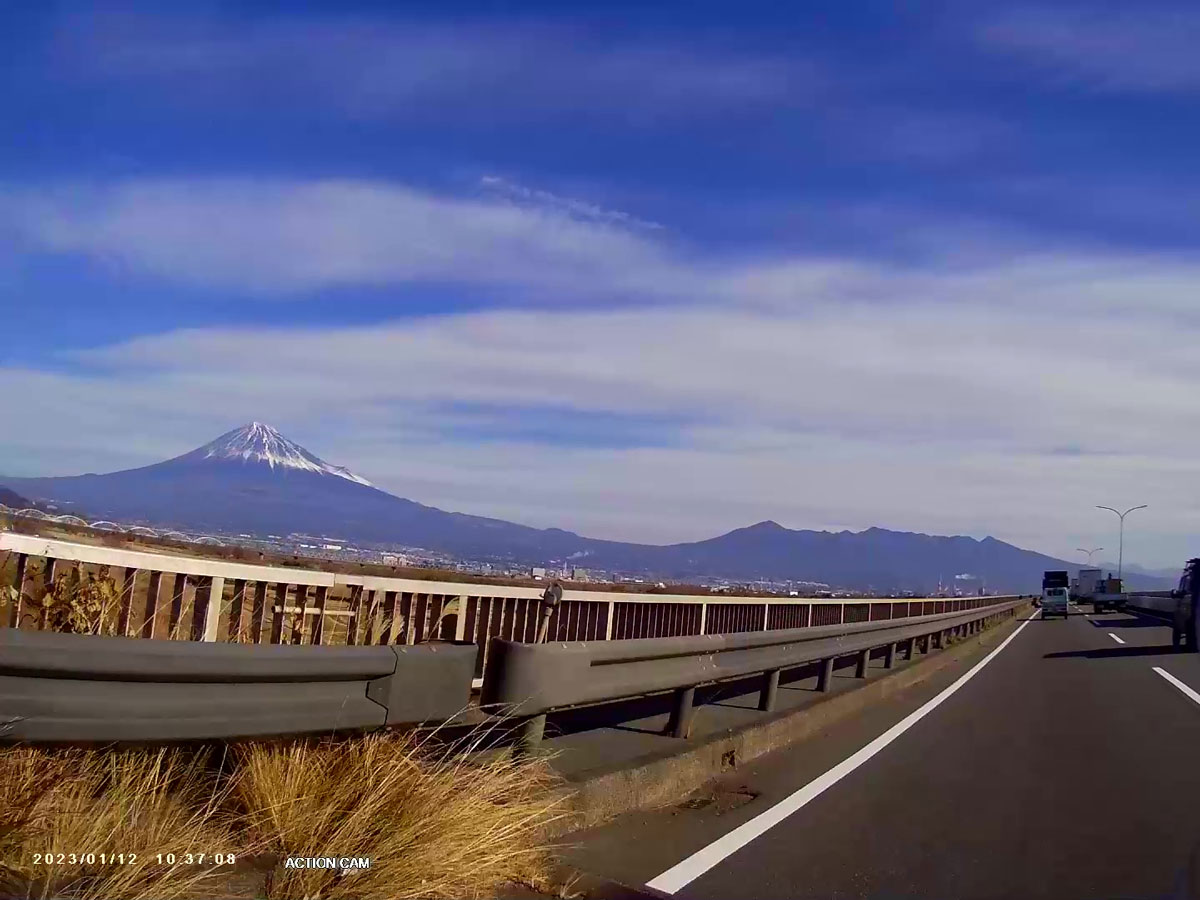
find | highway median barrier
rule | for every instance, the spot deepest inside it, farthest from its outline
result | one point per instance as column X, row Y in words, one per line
column 531, row 680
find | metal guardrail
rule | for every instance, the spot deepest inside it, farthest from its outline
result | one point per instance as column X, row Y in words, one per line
column 83, row 688
column 179, row 596
column 533, row 679
column 1160, row 604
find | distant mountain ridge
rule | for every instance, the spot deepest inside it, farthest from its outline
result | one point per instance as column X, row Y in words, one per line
column 254, row 480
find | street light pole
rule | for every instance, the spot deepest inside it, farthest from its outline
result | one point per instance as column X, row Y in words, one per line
column 1089, row 553
column 1121, row 551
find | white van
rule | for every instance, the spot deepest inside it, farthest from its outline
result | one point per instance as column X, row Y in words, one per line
column 1054, row 602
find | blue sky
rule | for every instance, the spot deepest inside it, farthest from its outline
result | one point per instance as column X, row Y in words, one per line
column 643, row 271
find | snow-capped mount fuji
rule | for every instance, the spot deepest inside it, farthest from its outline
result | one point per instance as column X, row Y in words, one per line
column 253, row 480
column 259, row 443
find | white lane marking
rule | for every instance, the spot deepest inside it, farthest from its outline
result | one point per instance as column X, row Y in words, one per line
column 1115, row 638
column 1187, row 691
column 684, row 873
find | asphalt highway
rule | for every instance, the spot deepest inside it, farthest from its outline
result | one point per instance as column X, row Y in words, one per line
column 1062, row 762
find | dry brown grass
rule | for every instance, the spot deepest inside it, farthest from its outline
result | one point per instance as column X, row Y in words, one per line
column 436, row 822
column 140, row 803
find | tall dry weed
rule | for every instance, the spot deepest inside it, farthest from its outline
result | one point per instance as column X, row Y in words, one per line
column 436, row 823
column 63, row 809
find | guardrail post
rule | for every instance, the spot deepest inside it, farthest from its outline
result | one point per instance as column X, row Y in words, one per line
column 889, row 659
column 14, row 612
column 770, row 691
column 207, row 613
column 529, row 734
column 910, row 648
column 127, row 586
column 703, row 617
column 178, row 591
column 860, row 670
column 826, row 674
column 608, row 622
column 460, row 622
column 680, row 724
column 766, row 616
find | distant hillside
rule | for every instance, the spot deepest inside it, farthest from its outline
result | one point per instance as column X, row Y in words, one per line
column 13, row 500
column 875, row 558
column 254, row 480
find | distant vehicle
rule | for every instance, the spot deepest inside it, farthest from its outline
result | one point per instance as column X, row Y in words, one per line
column 1054, row 594
column 1109, row 593
column 1187, row 599
column 1088, row 583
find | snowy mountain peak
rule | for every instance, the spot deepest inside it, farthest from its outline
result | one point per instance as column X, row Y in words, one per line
column 257, row 442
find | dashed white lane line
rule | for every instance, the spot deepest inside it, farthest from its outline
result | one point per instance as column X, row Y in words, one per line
column 1187, row 691
column 679, row 876
column 1115, row 638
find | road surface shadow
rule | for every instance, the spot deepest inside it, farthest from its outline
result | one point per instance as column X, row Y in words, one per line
column 1129, row 623
column 1112, row 652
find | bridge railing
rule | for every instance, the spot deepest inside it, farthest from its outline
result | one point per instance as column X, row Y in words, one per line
column 180, row 597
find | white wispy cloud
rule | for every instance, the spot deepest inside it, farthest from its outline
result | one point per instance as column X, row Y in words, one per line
column 500, row 186
column 1144, row 47
column 283, row 236
column 279, row 238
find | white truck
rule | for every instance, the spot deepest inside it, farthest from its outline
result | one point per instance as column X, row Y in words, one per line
column 1088, row 583
column 1055, row 587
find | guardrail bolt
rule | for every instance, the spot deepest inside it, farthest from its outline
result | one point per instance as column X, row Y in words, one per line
column 860, row 670
column 826, row 675
column 770, row 690
column 680, row 725
column 889, row 659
